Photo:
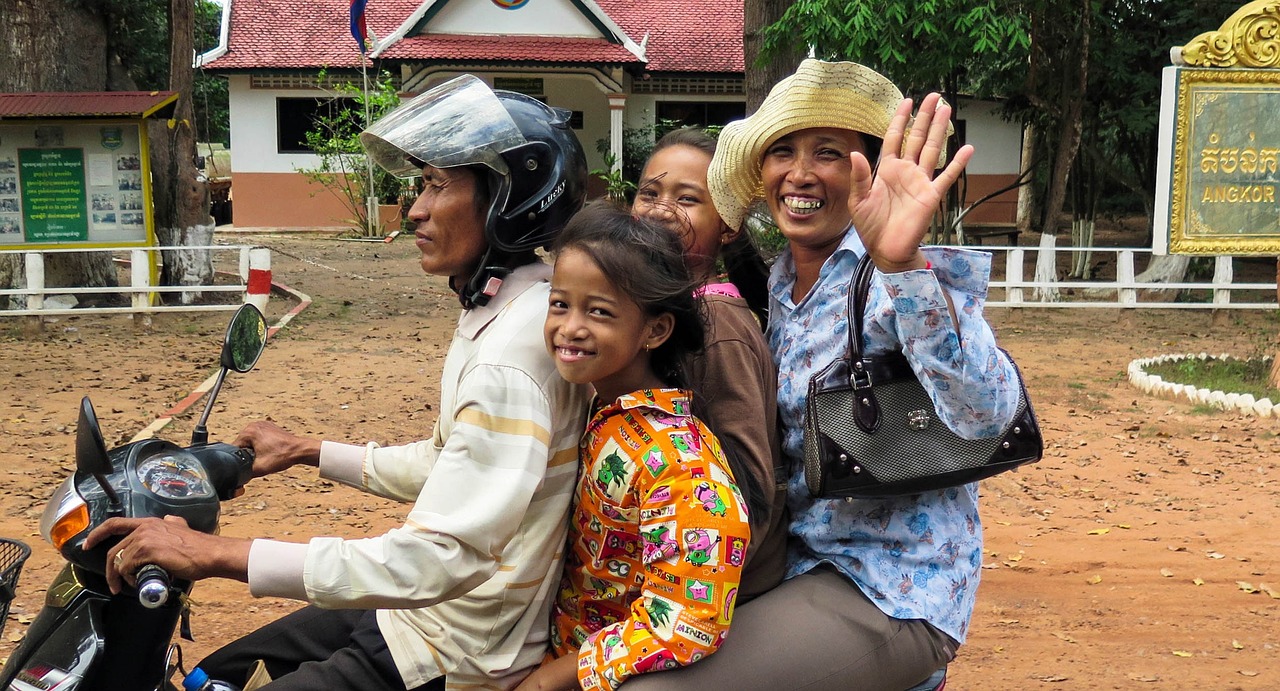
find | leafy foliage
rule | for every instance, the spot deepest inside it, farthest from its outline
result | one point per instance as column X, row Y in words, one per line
column 139, row 34
column 924, row 45
column 344, row 169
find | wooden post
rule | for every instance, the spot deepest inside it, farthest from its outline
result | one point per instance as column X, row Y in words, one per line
column 1013, row 279
column 1222, row 276
column 35, row 283
column 1128, row 296
column 140, row 280
column 258, row 280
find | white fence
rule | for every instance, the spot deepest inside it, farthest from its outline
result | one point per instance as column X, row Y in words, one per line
column 252, row 262
column 1124, row 291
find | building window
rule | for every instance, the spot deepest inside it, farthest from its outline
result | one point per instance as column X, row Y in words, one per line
column 297, row 116
column 700, row 114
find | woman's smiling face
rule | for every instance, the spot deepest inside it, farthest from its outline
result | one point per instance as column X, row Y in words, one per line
column 805, row 176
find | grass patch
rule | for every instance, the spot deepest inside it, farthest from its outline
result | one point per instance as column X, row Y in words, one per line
column 1230, row 375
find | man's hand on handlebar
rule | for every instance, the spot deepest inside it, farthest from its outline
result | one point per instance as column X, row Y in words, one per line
column 277, row 449
column 173, row 546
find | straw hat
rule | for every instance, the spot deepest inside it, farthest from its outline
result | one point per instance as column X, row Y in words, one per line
column 843, row 95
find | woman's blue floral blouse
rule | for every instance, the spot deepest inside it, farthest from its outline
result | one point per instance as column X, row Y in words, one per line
column 916, row 557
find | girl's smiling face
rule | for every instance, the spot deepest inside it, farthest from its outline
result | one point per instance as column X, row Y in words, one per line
column 806, row 179
column 673, row 191
column 598, row 335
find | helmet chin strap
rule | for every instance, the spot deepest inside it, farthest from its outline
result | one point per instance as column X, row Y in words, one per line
column 482, row 285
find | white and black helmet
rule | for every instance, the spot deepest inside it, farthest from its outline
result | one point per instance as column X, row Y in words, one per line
column 537, row 170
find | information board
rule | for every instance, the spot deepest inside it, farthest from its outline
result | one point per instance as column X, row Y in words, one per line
column 73, row 183
column 1218, row 190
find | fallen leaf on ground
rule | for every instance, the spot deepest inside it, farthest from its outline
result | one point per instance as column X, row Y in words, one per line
column 1052, row 678
column 1198, row 581
column 1248, row 673
column 1237, row 645
column 1182, row 653
column 1216, row 555
column 1166, row 572
column 1100, row 531
column 1275, row 594
column 1143, row 677
column 1093, row 580
column 1064, row 637
column 1247, row 587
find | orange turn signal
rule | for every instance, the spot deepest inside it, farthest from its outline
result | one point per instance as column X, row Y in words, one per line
column 69, row 526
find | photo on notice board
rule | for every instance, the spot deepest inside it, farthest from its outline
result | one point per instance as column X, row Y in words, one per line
column 104, row 202
column 131, row 202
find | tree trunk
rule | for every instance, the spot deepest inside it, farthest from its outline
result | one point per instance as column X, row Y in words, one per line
column 55, row 46
column 1071, row 116
column 761, row 75
column 1026, row 193
column 181, row 200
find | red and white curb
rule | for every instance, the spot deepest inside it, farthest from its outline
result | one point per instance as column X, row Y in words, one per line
column 304, row 301
column 1221, row 400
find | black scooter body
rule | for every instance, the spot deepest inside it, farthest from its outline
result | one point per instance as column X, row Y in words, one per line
column 85, row 638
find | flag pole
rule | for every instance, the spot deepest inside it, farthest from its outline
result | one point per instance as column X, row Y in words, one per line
column 371, row 199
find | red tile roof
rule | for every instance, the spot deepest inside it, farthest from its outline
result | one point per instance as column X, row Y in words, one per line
column 132, row 104
column 684, row 36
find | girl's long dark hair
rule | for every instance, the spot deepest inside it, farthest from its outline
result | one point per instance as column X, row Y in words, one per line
column 742, row 261
column 645, row 261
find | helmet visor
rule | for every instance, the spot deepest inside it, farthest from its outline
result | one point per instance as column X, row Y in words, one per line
column 459, row 122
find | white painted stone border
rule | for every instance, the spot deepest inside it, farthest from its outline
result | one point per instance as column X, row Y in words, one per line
column 1155, row 385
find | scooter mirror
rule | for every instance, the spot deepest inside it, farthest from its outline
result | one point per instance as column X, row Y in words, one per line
column 91, row 448
column 246, row 338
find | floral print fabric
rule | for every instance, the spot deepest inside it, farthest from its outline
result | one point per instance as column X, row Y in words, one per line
column 916, row 557
column 656, row 544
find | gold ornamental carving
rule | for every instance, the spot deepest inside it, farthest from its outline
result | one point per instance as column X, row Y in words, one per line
column 1225, row 174
column 1248, row 38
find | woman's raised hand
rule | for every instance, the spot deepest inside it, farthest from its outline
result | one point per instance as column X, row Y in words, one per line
column 892, row 209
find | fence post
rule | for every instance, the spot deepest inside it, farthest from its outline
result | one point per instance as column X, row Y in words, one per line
column 1013, row 276
column 35, row 280
column 1125, row 277
column 258, row 280
column 140, row 281
column 1222, row 276
column 35, row 284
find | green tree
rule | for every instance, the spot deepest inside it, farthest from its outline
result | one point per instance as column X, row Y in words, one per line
column 922, row 45
column 343, row 169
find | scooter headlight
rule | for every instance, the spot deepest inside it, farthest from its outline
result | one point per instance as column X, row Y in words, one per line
column 65, row 516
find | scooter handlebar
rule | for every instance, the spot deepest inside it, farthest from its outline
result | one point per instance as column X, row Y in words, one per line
column 230, row 467
column 153, row 586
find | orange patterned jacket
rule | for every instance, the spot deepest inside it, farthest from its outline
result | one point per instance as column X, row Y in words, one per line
column 656, row 543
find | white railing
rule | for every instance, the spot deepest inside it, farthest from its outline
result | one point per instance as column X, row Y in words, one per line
column 1124, row 292
column 142, row 292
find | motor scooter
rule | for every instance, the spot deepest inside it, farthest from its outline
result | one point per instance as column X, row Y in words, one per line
column 85, row 638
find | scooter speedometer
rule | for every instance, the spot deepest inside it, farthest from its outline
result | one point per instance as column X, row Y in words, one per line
column 174, row 476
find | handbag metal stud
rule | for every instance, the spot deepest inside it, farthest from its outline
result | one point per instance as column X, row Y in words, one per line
column 918, row 420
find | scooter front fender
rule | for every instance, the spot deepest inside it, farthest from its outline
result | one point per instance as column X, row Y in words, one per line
column 73, row 640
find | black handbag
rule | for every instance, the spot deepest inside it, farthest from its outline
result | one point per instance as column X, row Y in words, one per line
column 870, row 429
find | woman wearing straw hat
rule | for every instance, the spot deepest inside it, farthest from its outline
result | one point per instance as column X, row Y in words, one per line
column 878, row 592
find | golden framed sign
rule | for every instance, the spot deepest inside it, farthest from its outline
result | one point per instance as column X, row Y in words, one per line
column 1218, row 190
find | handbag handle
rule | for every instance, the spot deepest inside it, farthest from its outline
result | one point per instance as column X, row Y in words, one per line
column 866, row 409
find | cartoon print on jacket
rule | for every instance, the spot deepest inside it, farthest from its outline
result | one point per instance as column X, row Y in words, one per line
column 649, row 581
